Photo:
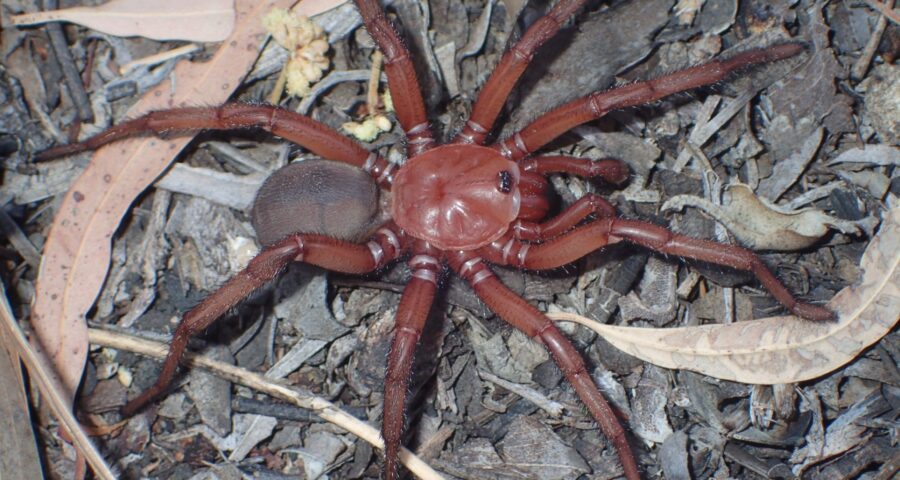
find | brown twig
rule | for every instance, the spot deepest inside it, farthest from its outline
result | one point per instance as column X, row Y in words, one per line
column 886, row 9
column 859, row 68
column 70, row 70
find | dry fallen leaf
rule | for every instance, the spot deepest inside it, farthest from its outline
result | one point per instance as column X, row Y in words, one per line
column 315, row 7
column 762, row 226
column 195, row 21
column 786, row 172
column 77, row 252
column 780, row 349
column 885, row 155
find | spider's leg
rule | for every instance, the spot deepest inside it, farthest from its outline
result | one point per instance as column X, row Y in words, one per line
column 589, row 204
column 411, row 315
column 302, row 130
column 610, row 170
column 522, row 315
column 405, row 91
column 316, row 250
column 511, row 66
column 584, row 239
column 554, row 123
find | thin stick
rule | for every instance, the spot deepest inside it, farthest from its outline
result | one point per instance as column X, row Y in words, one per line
column 158, row 58
column 374, row 78
column 885, row 9
column 70, row 71
column 859, row 68
column 323, row 408
column 50, row 389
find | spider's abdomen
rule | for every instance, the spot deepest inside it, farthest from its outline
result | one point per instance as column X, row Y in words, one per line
column 456, row 197
column 316, row 196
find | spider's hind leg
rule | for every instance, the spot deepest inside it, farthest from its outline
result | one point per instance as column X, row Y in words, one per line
column 322, row 251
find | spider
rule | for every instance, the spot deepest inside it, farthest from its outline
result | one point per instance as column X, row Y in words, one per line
column 463, row 206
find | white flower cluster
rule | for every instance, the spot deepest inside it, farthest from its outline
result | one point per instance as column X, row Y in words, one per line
column 307, row 43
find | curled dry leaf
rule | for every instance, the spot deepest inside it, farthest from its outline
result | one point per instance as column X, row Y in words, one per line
column 77, row 252
column 780, row 349
column 195, row 21
column 763, row 226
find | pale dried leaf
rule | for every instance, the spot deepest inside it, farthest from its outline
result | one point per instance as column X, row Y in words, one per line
column 77, row 252
column 657, row 299
column 885, row 155
column 762, row 226
column 787, row 171
column 875, row 182
column 315, row 7
column 257, row 428
column 195, row 21
column 846, row 432
column 534, row 450
column 649, row 419
column 235, row 191
column 780, row 349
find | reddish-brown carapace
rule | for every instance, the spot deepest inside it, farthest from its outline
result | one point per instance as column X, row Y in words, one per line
column 463, row 207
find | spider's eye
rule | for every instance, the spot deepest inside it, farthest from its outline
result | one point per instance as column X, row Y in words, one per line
column 504, row 181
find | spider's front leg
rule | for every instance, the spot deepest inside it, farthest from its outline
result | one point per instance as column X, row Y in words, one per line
column 319, row 250
column 554, row 123
column 522, row 315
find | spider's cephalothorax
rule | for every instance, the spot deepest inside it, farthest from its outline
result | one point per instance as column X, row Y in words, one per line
column 465, row 206
column 457, row 197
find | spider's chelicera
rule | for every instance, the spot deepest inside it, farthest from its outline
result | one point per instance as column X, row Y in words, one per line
column 463, row 205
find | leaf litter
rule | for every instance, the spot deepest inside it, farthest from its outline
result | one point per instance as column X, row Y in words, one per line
column 463, row 422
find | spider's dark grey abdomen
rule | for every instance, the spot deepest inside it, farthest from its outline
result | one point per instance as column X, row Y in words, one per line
column 316, row 196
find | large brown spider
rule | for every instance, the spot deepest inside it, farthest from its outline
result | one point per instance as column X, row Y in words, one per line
column 462, row 205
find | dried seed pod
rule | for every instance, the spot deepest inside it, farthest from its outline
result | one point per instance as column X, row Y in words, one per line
column 316, row 196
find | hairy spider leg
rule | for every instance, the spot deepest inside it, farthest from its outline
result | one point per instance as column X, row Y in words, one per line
column 522, row 315
column 584, row 239
column 412, row 312
column 506, row 74
column 402, row 81
column 322, row 251
column 315, row 136
column 554, row 123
